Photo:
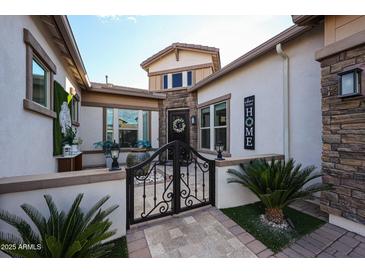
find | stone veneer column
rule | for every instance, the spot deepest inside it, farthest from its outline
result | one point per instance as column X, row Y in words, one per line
column 178, row 99
column 343, row 157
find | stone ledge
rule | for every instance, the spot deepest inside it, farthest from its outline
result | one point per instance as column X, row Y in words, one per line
column 244, row 160
column 36, row 108
column 341, row 45
column 53, row 180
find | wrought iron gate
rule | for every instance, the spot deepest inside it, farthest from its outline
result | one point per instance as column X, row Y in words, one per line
column 159, row 187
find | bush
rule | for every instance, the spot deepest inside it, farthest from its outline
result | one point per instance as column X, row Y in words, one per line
column 276, row 184
column 75, row 234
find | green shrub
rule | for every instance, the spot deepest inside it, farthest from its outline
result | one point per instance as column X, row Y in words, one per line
column 75, row 234
column 276, row 184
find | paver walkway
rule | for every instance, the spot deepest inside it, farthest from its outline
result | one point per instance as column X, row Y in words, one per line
column 202, row 233
column 328, row 241
column 209, row 233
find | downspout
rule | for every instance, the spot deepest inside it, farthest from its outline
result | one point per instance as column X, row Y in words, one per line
column 286, row 141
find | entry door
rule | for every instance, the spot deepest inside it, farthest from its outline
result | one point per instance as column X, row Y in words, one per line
column 178, row 126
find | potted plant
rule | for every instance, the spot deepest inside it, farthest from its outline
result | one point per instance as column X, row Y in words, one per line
column 68, row 140
column 106, row 147
column 75, row 145
column 139, row 154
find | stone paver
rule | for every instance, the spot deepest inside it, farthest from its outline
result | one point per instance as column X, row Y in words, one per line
column 202, row 233
column 209, row 233
column 256, row 246
column 329, row 241
column 246, row 238
column 136, row 245
column 141, row 253
column 236, row 230
column 267, row 253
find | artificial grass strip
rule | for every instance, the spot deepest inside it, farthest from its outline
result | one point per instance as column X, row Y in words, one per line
column 120, row 249
column 248, row 217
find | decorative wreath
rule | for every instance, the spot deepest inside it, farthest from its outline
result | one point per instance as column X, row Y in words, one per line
column 178, row 125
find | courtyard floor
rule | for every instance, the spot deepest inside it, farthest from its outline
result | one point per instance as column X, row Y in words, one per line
column 208, row 232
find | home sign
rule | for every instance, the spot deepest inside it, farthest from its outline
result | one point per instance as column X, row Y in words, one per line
column 249, row 107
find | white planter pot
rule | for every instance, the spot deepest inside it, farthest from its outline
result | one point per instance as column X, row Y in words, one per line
column 74, row 149
column 108, row 162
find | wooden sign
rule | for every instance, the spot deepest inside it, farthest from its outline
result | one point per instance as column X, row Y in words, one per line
column 249, row 103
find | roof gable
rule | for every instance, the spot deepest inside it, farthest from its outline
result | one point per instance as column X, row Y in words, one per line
column 177, row 47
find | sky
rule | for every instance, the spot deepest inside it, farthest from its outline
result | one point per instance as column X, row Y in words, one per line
column 116, row 45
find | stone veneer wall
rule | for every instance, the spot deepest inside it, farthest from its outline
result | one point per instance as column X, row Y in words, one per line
column 178, row 99
column 343, row 157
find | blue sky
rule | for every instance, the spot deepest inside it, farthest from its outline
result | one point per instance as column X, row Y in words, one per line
column 116, row 45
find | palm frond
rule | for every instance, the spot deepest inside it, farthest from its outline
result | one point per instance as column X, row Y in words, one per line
column 74, row 234
column 276, row 183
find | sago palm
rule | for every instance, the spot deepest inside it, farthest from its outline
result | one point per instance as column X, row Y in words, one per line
column 75, row 234
column 276, row 184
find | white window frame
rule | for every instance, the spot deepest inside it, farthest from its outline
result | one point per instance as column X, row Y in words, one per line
column 47, row 71
column 139, row 128
column 204, row 128
column 217, row 127
column 75, row 110
column 35, row 51
column 184, row 80
column 106, row 124
column 212, row 127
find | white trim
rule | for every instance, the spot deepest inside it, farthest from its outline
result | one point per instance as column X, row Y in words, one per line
column 140, row 125
column 347, row 224
column 211, row 123
column 184, row 79
column 212, row 127
column 48, row 80
column 116, row 124
column 169, row 81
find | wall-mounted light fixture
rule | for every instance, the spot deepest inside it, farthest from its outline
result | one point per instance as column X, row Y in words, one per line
column 193, row 120
column 350, row 82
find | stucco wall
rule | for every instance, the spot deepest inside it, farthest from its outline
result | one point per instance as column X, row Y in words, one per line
column 244, row 82
column 92, row 126
column 63, row 198
column 263, row 78
column 305, row 115
column 26, row 138
column 186, row 59
column 230, row 195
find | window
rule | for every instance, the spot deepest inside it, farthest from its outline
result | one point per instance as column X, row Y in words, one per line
column 214, row 126
column 39, row 78
column 128, row 127
column 109, row 132
column 75, row 109
column 190, row 78
column 165, row 82
column 205, row 128
column 177, row 80
column 132, row 126
column 350, row 82
column 220, row 124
